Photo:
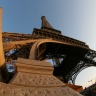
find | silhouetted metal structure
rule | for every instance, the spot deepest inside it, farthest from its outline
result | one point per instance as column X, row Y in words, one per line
column 70, row 56
column 89, row 91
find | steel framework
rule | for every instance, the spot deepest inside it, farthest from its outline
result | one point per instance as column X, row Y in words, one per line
column 69, row 56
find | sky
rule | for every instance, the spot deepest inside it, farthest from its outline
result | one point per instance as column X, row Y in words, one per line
column 74, row 18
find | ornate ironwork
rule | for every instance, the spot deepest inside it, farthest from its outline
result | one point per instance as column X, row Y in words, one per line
column 21, row 51
column 88, row 61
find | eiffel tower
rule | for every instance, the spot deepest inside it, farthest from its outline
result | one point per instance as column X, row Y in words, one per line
column 29, row 51
column 69, row 56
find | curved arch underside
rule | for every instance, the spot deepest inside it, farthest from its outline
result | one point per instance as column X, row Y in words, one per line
column 46, row 45
column 54, row 49
column 87, row 61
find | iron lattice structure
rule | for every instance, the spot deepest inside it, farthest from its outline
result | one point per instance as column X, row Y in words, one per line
column 88, row 61
column 69, row 56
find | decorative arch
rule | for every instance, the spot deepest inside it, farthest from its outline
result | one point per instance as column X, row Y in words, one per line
column 88, row 61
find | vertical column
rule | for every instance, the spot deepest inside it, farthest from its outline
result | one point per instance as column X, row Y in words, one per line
column 2, row 59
